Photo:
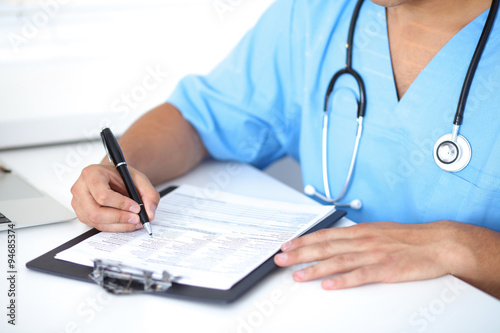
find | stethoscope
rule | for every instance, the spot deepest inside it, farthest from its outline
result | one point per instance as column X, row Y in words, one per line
column 452, row 152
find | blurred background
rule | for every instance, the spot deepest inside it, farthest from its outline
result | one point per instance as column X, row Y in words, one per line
column 68, row 67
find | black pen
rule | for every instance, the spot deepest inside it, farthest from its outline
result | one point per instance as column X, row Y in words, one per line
column 115, row 156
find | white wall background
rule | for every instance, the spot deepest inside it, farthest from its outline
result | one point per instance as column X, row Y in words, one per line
column 69, row 66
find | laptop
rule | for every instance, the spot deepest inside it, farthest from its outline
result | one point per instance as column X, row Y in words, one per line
column 26, row 206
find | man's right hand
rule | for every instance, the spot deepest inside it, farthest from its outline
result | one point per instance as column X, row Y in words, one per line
column 100, row 199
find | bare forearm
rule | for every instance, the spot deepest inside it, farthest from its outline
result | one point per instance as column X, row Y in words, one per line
column 479, row 259
column 162, row 144
column 395, row 252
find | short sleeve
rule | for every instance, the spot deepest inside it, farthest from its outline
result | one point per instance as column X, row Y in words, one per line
column 240, row 109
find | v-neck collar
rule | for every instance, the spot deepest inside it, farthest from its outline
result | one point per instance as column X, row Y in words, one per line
column 446, row 65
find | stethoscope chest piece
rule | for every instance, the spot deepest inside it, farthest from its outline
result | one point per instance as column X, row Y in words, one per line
column 452, row 152
column 452, row 155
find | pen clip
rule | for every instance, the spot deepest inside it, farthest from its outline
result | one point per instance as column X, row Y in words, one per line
column 105, row 145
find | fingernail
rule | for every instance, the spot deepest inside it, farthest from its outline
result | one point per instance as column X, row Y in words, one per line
column 299, row 275
column 286, row 246
column 134, row 219
column 153, row 212
column 134, row 209
column 281, row 258
column 328, row 284
column 138, row 226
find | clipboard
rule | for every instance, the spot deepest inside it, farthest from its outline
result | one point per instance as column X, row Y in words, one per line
column 47, row 263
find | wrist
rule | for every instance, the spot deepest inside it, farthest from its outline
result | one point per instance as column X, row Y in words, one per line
column 457, row 254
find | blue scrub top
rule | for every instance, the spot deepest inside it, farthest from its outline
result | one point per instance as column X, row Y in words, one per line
column 265, row 100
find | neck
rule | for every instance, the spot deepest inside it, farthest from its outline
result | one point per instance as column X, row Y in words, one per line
column 418, row 29
column 445, row 15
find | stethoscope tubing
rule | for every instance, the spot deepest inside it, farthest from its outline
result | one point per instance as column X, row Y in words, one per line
column 348, row 70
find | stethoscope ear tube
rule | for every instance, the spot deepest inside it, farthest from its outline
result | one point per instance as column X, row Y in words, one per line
column 348, row 70
column 361, row 86
column 310, row 190
column 452, row 152
column 464, row 94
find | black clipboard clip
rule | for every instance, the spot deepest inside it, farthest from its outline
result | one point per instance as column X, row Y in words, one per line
column 120, row 279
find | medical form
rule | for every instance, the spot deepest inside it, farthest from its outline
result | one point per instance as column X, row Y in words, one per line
column 210, row 241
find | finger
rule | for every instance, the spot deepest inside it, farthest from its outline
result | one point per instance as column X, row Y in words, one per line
column 357, row 277
column 91, row 213
column 118, row 227
column 385, row 271
column 324, row 235
column 336, row 265
column 100, row 216
column 78, row 211
column 121, row 227
column 98, row 185
column 116, row 182
column 149, row 196
column 322, row 251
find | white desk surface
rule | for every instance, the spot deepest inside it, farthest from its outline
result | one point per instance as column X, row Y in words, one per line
column 46, row 303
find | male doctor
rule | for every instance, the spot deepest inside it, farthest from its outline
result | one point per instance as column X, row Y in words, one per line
column 265, row 100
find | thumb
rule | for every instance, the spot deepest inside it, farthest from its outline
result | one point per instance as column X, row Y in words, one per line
column 149, row 195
